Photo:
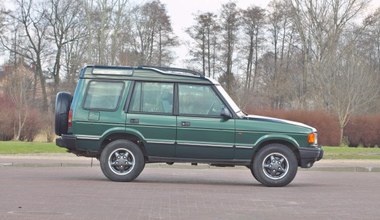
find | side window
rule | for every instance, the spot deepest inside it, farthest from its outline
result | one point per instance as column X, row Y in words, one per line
column 136, row 99
column 150, row 97
column 198, row 100
column 103, row 95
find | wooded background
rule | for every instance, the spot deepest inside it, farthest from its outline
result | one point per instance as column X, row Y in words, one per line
column 317, row 56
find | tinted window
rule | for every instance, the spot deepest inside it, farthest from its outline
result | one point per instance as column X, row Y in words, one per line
column 103, row 95
column 198, row 100
column 152, row 97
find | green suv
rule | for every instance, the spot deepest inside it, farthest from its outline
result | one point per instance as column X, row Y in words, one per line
column 129, row 116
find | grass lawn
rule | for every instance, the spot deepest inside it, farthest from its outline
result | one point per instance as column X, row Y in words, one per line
column 17, row 147
column 351, row 153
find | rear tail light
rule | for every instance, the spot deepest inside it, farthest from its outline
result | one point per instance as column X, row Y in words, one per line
column 70, row 118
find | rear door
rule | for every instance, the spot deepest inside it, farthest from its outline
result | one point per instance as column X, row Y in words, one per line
column 150, row 113
column 201, row 131
column 101, row 109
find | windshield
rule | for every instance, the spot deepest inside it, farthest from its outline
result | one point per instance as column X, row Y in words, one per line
column 231, row 102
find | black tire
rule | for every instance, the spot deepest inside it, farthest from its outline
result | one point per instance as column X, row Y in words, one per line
column 62, row 108
column 274, row 165
column 122, row 161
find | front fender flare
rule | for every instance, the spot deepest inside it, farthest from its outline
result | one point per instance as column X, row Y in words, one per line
column 276, row 137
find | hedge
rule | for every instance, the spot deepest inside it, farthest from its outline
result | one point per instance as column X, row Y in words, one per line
column 363, row 130
column 326, row 124
column 9, row 122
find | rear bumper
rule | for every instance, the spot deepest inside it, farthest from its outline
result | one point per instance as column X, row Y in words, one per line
column 309, row 155
column 67, row 141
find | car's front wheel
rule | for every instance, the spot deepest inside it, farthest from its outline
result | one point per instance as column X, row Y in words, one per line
column 274, row 165
column 122, row 161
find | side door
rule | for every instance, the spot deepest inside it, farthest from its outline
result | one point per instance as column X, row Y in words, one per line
column 150, row 113
column 201, row 132
column 101, row 109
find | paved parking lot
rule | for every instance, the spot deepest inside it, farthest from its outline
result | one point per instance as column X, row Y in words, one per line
column 78, row 191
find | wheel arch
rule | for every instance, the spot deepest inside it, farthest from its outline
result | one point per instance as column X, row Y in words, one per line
column 136, row 139
column 290, row 144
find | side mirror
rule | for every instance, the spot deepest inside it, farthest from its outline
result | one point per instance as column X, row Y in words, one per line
column 226, row 114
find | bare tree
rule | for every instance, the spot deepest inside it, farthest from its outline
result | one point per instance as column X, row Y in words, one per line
column 152, row 35
column 369, row 40
column 369, row 46
column 30, row 42
column 253, row 21
column 204, row 34
column 337, row 72
column 63, row 17
column 74, row 57
column 229, row 23
column 2, row 18
column 18, row 86
column 165, row 40
column 121, row 27
column 98, row 23
column 320, row 25
column 284, row 79
column 354, row 86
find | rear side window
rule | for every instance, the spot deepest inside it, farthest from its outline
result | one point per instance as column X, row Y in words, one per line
column 103, row 95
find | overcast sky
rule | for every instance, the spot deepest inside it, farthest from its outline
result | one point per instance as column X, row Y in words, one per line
column 182, row 16
column 182, row 13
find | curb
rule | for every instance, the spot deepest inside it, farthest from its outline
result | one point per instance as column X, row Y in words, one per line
column 69, row 160
column 353, row 165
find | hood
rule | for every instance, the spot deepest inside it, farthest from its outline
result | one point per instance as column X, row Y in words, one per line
column 278, row 120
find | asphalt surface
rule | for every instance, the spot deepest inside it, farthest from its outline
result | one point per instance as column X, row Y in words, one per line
column 69, row 187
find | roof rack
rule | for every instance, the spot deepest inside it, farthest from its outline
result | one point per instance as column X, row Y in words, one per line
column 128, row 70
column 172, row 70
column 111, row 70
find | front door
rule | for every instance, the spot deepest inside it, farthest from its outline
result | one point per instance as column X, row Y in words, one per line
column 201, row 132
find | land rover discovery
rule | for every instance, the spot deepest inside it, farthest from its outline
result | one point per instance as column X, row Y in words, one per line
column 129, row 116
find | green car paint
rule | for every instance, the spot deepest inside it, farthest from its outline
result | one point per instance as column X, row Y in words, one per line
column 174, row 116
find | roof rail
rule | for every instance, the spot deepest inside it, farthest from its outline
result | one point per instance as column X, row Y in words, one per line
column 111, row 70
column 172, row 70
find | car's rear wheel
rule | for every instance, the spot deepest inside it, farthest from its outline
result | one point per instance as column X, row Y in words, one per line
column 274, row 165
column 62, row 108
column 122, row 161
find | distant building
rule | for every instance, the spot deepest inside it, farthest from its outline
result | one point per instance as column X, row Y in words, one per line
column 24, row 70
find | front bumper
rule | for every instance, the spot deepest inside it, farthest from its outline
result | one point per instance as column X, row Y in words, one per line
column 67, row 141
column 309, row 155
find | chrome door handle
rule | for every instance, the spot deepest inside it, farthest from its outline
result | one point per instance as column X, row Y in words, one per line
column 185, row 124
column 134, row 121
